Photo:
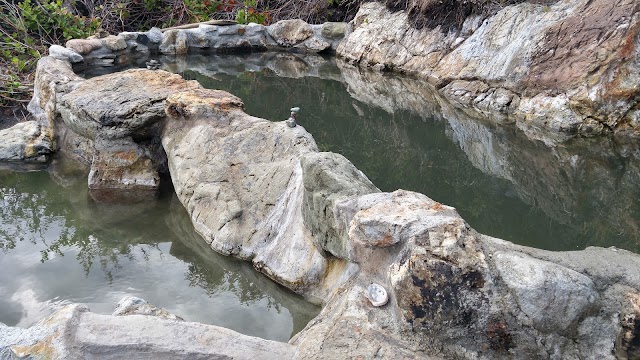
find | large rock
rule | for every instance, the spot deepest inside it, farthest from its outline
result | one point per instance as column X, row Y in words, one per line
column 25, row 142
column 525, row 51
column 54, row 78
column 120, row 116
column 330, row 179
column 288, row 33
column 83, row 46
column 62, row 53
column 75, row 333
column 457, row 294
column 122, row 172
column 118, row 105
column 240, row 179
column 542, row 288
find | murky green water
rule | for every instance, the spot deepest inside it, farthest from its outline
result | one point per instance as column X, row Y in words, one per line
column 557, row 197
column 57, row 246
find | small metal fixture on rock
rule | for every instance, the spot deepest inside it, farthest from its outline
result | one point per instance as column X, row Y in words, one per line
column 377, row 295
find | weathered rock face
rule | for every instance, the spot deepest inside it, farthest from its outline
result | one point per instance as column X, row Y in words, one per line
column 25, row 142
column 75, row 333
column 458, row 294
column 523, row 61
column 243, row 181
column 89, row 109
column 583, row 173
column 330, row 179
column 113, row 123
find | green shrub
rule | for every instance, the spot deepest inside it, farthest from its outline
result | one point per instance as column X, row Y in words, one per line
column 248, row 14
column 53, row 22
column 26, row 30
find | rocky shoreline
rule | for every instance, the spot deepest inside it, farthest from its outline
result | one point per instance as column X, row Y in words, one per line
column 564, row 69
column 312, row 222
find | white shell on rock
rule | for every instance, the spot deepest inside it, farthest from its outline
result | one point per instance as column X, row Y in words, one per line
column 377, row 295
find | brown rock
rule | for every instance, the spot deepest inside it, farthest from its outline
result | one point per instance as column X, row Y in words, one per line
column 115, row 43
column 83, row 46
column 290, row 32
column 121, row 172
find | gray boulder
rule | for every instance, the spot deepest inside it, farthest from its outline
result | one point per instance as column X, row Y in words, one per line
column 240, row 179
column 542, row 288
column 288, row 33
column 25, row 142
column 75, row 333
column 62, row 53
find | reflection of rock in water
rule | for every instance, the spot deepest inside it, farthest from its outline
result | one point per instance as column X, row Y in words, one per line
column 214, row 272
column 588, row 184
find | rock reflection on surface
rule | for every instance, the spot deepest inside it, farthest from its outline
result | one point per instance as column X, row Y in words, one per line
column 57, row 246
column 506, row 182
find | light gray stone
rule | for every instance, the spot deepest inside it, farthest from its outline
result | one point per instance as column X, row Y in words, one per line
column 334, row 30
column 288, row 33
column 61, row 53
column 83, row 46
column 551, row 296
column 115, row 43
column 241, row 159
column 405, row 216
column 315, row 45
column 138, row 93
column 329, row 179
column 168, row 44
column 75, row 333
column 182, row 43
column 154, row 35
column 25, row 142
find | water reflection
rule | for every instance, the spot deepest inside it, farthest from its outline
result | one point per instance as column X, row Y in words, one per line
column 60, row 247
column 402, row 134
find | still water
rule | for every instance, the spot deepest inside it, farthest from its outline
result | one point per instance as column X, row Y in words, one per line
column 402, row 135
column 57, row 246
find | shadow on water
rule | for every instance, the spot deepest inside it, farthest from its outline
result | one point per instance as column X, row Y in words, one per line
column 402, row 134
column 58, row 246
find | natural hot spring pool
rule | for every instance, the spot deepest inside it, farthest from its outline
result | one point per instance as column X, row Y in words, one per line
column 559, row 197
column 57, row 246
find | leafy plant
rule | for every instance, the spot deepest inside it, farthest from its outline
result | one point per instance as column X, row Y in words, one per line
column 53, row 22
column 248, row 14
